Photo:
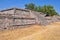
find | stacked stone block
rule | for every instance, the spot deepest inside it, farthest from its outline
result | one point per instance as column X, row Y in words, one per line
column 15, row 17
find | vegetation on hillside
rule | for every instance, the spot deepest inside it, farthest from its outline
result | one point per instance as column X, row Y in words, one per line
column 46, row 9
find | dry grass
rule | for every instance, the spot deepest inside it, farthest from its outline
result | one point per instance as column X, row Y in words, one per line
column 34, row 32
column 14, row 34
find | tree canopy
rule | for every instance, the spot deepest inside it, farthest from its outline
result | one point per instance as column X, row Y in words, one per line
column 46, row 9
column 30, row 6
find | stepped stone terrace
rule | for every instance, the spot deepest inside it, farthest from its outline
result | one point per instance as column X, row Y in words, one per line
column 15, row 17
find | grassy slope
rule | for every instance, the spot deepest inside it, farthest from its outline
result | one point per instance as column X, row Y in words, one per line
column 35, row 32
column 12, row 35
column 51, row 33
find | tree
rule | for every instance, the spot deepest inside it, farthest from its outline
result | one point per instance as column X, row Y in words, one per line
column 38, row 9
column 49, row 10
column 30, row 6
column 46, row 9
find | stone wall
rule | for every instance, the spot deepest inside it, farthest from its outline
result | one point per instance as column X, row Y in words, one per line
column 24, row 21
column 8, row 12
column 23, row 14
column 40, row 19
column 13, row 18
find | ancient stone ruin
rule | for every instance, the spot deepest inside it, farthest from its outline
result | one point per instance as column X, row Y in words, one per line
column 15, row 17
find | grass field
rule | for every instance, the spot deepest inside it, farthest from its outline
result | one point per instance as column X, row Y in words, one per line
column 34, row 32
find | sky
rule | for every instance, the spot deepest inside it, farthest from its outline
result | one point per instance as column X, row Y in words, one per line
column 4, row 4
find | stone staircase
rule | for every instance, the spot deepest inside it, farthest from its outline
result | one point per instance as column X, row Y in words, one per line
column 41, row 19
